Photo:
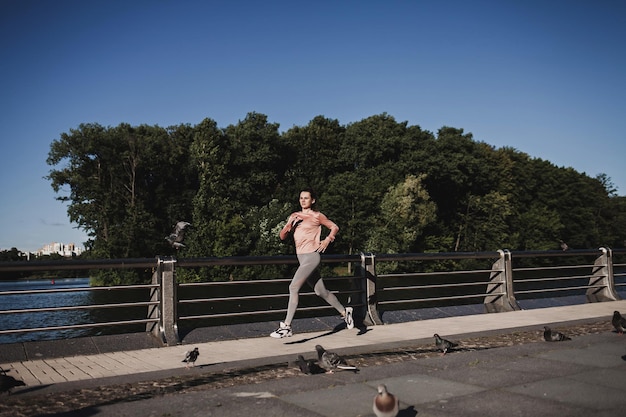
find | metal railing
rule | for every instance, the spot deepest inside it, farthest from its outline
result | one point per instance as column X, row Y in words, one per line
column 494, row 279
column 148, row 304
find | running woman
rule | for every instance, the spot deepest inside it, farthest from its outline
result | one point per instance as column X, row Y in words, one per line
column 306, row 226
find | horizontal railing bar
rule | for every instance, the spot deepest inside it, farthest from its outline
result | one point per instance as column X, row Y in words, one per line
column 555, row 253
column 558, row 267
column 255, row 282
column 390, row 257
column 82, row 289
column 582, row 287
column 259, row 260
column 276, row 260
column 552, row 278
column 419, row 287
column 242, row 260
column 421, row 300
column 257, row 297
column 86, row 307
column 250, row 313
column 77, row 264
column 79, row 326
column 236, row 282
column 421, row 274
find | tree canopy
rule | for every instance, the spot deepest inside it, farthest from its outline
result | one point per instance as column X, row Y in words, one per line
column 390, row 186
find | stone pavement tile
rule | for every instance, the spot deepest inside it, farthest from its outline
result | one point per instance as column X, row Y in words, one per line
column 488, row 377
column 607, row 356
column 339, row 401
column 18, row 371
column 53, row 349
column 496, row 403
column 461, row 358
column 574, row 393
column 540, row 366
column 256, row 402
column 415, row 389
column 611, row 378
column 113, row 343
column 13, row 352
column 68, row 370
column 45, row 373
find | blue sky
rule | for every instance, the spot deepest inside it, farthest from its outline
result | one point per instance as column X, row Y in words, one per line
column 544, row 77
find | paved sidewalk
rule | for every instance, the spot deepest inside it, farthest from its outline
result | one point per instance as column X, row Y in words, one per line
column 228, row 354
column 579, row 378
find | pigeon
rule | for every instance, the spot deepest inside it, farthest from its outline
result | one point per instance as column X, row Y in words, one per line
column 563, row 245
column 178, row 234
column 331, row 361
column 303, row 365
column 443, row 345
column 553, row 336
column 191, row 356
column 7, row 382
column 618, row 322
column 385, row 403
column 309, row 367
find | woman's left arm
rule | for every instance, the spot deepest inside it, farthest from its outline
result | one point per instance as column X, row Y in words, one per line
column 334, row 229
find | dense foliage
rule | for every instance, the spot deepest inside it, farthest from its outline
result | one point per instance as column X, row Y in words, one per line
column 390, row 187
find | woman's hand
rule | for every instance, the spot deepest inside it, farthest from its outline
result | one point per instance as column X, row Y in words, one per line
column 323, row 245
column 296, row 221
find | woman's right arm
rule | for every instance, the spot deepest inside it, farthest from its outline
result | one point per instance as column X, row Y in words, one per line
column 286, row 228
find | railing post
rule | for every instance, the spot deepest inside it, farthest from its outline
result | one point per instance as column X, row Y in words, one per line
column 169, row 300
column 154, row 311
column 368, row 271
column 602, row 282
column 500, row 295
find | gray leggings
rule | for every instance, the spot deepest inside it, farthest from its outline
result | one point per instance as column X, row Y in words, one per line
column 307, row 271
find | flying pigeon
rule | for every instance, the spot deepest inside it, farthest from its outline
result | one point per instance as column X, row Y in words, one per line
column 385, row 403
column 443, row 345
column 178, row 234
column 331, row 361
column 191, row 356
column 553, row 336
column 7, row 382
column 563, row 245
column 619, row 322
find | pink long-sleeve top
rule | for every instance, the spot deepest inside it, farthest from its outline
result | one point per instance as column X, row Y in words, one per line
column 307, row 234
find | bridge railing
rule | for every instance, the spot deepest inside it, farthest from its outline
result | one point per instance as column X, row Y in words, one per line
column 495, row 279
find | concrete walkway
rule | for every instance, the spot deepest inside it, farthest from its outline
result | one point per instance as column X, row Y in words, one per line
column 265, row 350
column 579, row 378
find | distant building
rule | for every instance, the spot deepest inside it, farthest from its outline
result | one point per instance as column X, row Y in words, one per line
column 62, row 249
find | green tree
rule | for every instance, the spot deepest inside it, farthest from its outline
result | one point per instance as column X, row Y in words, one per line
column 484, row 224
column 312, row 155
column 119, row 180
column 406, row 209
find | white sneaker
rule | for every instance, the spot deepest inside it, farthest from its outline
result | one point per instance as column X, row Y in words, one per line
column 348, row 318
column 282, row 331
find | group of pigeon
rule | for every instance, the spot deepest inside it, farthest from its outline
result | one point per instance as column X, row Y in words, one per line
column 618, row 322
column 385, row 404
